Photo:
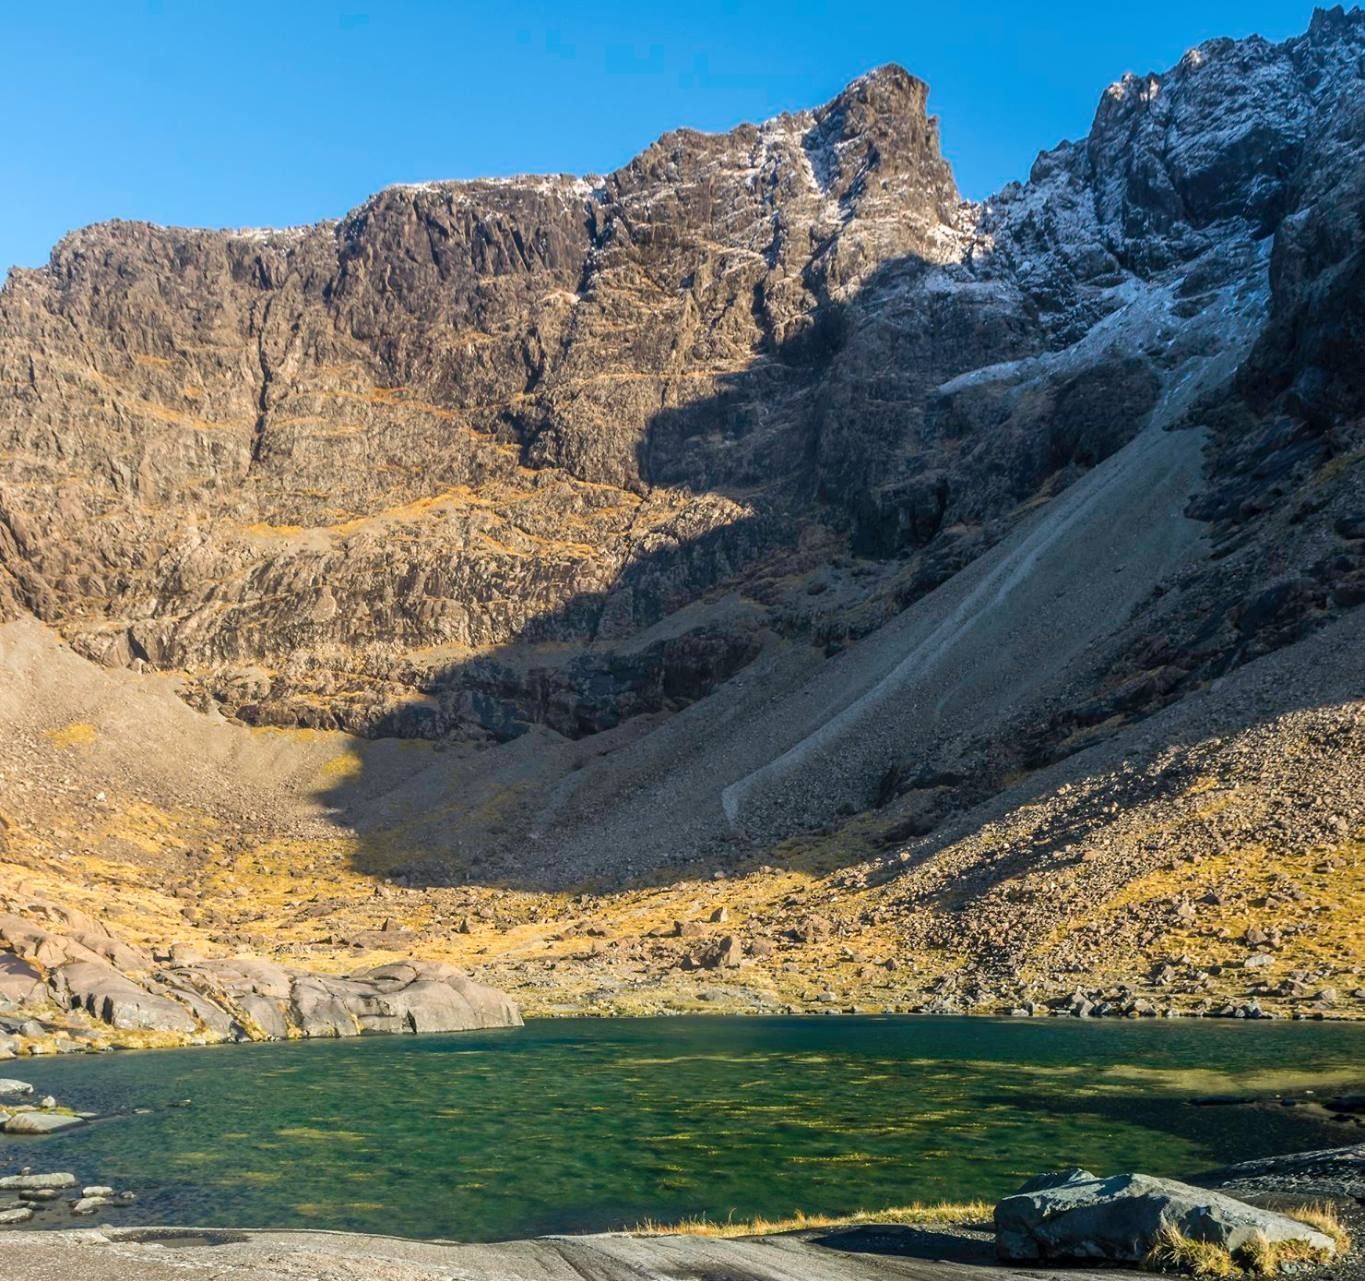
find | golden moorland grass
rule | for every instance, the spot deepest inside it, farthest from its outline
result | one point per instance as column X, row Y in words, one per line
column 1173, row 1251
column 936, row 1215
column 1323, row 1216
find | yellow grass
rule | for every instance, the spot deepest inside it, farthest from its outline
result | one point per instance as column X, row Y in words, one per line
column 1261, row 1257
column 1173, row 1251
column 77, row 734
column 1322, row 1215
column 940, row 1214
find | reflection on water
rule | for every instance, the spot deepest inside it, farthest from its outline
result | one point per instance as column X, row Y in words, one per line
column 590, row 1124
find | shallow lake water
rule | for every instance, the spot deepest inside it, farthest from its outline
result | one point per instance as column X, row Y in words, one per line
column 589, row 1124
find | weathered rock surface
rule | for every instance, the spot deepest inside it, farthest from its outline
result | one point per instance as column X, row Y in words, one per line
column 245, row 998
column 113, row 1254
column 1330, row 1172
column 117, row 1000
column 1120, row 1218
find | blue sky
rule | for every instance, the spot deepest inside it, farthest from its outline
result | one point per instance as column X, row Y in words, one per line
column 256, row 114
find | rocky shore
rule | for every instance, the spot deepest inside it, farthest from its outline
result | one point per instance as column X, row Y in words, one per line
column 70, row 985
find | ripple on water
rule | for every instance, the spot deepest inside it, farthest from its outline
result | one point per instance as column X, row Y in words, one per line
column 598, row 1123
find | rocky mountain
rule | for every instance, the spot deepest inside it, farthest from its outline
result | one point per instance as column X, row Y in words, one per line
column 762, row 490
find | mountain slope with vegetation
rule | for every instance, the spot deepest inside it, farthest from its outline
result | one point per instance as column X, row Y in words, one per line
column 960, row 601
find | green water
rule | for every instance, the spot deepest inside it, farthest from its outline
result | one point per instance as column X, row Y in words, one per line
column 589, row 1124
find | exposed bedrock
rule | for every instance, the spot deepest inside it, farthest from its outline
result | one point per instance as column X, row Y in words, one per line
column 78, row 965
column 718, row 444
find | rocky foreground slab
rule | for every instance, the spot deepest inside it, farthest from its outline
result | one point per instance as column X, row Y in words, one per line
column 108, row 1255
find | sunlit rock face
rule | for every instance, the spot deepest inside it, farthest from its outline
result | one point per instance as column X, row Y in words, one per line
column 482, row 456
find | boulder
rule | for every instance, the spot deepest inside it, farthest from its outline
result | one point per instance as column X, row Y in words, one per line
column 120, row 1002
column 246, row 974
column 723, row 953
column 319, row 1008
column 411, row 992
column 218, row 1022
column 1119, row 1219
column 1054, row 1179
column 89, row 1204
column 21, row 1214
column 8, row 1085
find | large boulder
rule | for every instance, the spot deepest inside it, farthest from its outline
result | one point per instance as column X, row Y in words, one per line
column 120, row 1002
column 320, row 1006
column 245, row 974
column 218, row 1023
column 33, row 943
column 1120, row 1218
column 36, row 1182
column 264, row 1017
column 431, row 996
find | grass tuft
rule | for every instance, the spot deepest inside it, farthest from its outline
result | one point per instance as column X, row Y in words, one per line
column 942, row 1214
column 1322, row 1215
column 1173, row 1251
column 1262, row 1258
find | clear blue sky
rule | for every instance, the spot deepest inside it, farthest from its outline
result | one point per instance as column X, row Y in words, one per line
column 266, row 114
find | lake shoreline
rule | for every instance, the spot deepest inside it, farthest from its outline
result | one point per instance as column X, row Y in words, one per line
column 875, row 1252
column 135, row 1040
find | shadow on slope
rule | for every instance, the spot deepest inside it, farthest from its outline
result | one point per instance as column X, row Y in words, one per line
column 608, row 767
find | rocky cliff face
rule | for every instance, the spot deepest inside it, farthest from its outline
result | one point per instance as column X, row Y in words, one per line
column 555, row 455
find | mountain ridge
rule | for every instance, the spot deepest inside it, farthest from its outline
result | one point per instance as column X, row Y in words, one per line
column 764, row 496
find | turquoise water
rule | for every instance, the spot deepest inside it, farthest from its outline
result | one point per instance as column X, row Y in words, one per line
column 587, row 1124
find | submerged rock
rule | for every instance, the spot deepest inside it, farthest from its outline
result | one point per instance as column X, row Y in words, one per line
column 1120, row 1218
column 40, row 1123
